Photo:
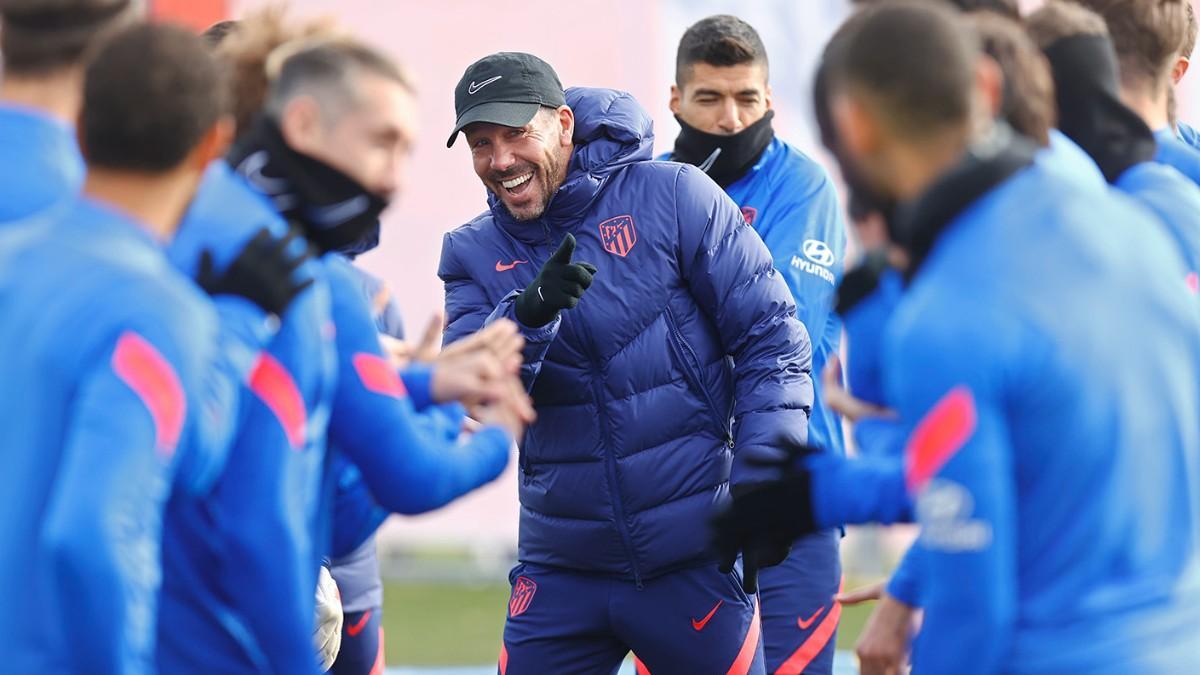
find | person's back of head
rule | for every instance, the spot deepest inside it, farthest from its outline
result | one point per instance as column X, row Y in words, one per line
column 1148, row 36
column 1056, row 20
column 901, row 79
column 39, row 37
column 1090, row 108
column 215, row 34
column 1189, row 37
column 1007, row 8
column 150, row 95
column 1028, row 99
column 153, row 118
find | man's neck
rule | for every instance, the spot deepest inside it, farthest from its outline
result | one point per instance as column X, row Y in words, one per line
column 58, row 94
column 1152, row 106
column 155, row 201
column 917, row 166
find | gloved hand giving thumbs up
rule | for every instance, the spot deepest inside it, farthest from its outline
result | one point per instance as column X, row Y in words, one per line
column 558, row 286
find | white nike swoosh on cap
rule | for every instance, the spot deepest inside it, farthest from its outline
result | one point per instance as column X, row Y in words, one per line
column 476, row 87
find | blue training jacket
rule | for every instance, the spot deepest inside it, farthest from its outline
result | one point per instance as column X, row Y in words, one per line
column 1174, row 199
column 1175, row 153
column 1045, row 482
column 1187, row 133
column 407, row 467
column 40, row 166
column 635, row 388
column 356, row 515
column 1176, row 203
column 238, row 559
column 106, row 380
column 793, row 205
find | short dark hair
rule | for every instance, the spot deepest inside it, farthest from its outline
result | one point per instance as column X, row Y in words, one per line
column 913, row 61
column 721, row 40
column 215, row 34
column 149, row 96
column 41, row 36
column 1029, row 105
column 1147, row 34
column 1008, row 8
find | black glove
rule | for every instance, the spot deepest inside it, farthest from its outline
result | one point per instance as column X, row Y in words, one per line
column 263, row 273
column 761, row 520
column 558, row 286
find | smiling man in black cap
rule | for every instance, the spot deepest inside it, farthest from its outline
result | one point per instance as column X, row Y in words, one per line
column 635, row 385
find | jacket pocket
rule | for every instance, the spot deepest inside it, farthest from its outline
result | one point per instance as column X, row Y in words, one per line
column 694, row 374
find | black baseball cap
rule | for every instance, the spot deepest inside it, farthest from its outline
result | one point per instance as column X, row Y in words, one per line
column 505, row 88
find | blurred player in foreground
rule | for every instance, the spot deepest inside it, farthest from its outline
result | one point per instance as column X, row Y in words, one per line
column 1052, row 539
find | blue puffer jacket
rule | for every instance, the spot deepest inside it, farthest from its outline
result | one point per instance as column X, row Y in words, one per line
column 640, row 403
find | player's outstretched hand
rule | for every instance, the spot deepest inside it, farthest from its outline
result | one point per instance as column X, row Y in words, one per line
column 402, row 353
column 862, row 594
column 266, row 272
column 841, row 401
column 512, row 412
column 883, row 646
column 479, row 368
column 558, row 286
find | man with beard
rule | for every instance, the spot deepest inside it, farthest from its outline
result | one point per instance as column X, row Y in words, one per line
column 326, row 97
column 1028, row 458
column 722, row 101
column 686, row 326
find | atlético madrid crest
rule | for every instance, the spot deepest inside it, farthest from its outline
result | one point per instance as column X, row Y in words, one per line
column 522, row 595
column 618, row 235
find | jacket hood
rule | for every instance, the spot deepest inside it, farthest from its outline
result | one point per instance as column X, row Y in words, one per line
column 612, row 131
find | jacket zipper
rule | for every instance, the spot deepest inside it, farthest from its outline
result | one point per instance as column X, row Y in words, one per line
column 691, row 367
column 610, row 461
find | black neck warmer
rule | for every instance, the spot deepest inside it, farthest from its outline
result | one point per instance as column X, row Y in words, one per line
column 725, row 158
column 337, row 213
column 859, row 283
column 988, row 163
column 1090, row 111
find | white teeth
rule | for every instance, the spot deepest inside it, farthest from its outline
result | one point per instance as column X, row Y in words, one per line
column 510, row 184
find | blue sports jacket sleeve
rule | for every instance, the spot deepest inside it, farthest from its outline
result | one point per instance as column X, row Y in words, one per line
column 880, row 436
column 260, row 515
column 374, row 423
column 418, row 380
column 733, row 280
column 103, row 525
column 905, row 584
column 856, row 491
column 468, row 310
column 814, row 295
column 959, row 467
column 243, row 330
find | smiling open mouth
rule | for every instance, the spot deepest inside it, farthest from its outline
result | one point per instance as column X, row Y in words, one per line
column 515, row 186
